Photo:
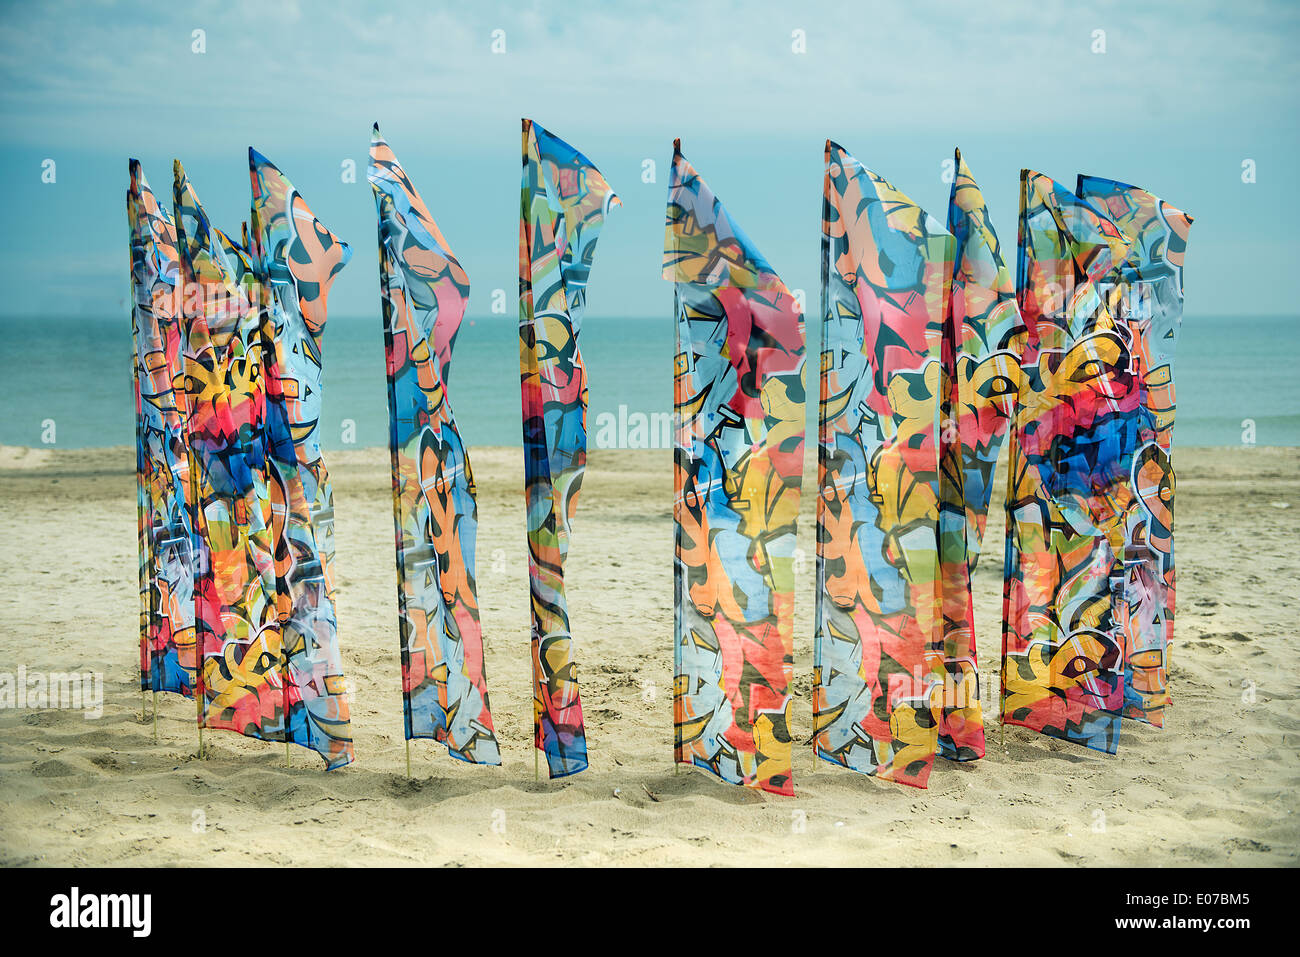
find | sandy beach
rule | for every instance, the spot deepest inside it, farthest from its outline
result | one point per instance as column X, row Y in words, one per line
column 1217, row 786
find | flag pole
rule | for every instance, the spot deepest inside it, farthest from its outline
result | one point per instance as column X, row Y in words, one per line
column 199, row 692
column 155, row 717
column 408, row 757
column 812, row 695
column 1002, row 715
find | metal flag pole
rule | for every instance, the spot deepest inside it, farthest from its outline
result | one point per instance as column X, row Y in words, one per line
column 199, row 692
column 812, row 767
column 1002, row 715
column 155, row 717
column 408, row 757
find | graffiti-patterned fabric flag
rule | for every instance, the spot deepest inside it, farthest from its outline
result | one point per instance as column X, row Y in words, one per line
column 424, row 292
column 879, row 657
column 162, row 461
column 297, row 260
column 563, row 203
column 738, row 466
column 983, row 341
column 238, row 610
column 1071, row 452
column 1149, row 287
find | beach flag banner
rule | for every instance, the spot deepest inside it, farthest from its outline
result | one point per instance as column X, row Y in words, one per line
column 1071, row 453
column 162, row 461
column 563, row 203
column 144, row 631
column 265, row 647
column 983, row 341
column 738, row 465
column 1150, row 297
column 237, row 605
column 297, row 259
column 879, row 662
column 424, row 292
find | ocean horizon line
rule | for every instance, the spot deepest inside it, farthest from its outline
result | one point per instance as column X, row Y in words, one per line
column 123, row 313
column 67, row 383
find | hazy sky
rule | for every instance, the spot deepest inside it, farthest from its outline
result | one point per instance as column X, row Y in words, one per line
column 1184, row 93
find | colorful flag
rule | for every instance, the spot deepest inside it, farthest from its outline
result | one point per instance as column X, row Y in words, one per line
column 1149, row 287
column 162, row 462
column 424, row 292
column 297, row 260
column 1072, row 448
column 879, row 655
column 738, row 468
column 237, row 607
column 563, row 203
column 983, row 341
column 267, row 647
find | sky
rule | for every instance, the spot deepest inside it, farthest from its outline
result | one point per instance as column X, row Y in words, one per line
column 1174, row 97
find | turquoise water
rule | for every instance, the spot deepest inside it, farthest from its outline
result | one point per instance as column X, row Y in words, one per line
column 78, row 373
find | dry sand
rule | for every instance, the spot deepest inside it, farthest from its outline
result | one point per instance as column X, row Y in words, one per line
column 1217, row 786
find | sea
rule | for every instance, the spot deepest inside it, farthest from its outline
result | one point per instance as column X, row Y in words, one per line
column 66, row 382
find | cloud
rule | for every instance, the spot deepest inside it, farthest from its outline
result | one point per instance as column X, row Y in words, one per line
column 65, row 69
column 1183, row 93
